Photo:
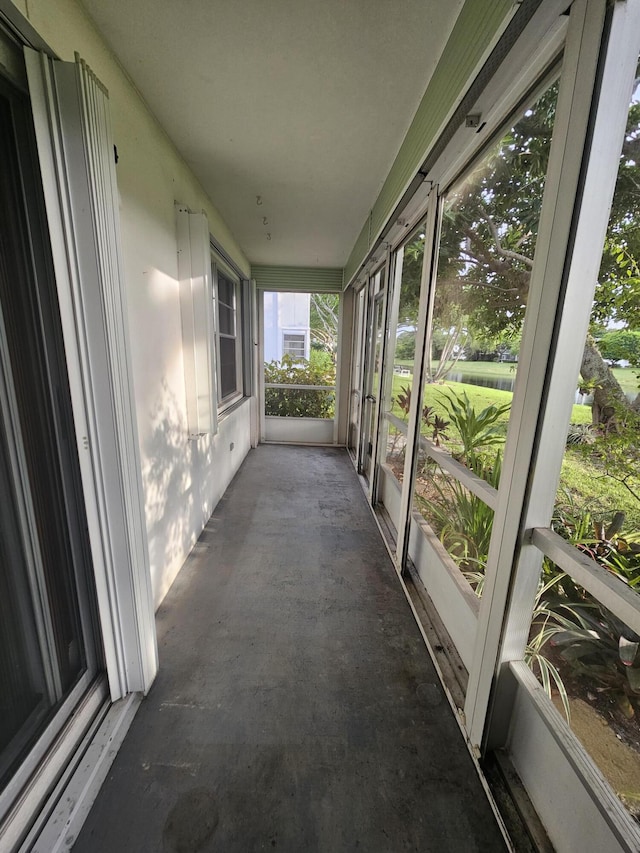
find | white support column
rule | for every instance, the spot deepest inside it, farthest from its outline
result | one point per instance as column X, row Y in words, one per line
column 423, row 335
column 580, row 65
column 75, row 147
column 390, row 305
column 573, row 316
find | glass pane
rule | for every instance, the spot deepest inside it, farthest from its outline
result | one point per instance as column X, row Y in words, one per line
column 311, row 324
column 226, row 291
column 46, row 641
column 372, row 370
column 226, row 320
column 228, row 373
column 485, row 256
column 395, row 447
column 24, row 696
column 487, row 244
column 378, row 338
column 460, row 519
column 402, row 349
column 588, row 659
column 357, row 344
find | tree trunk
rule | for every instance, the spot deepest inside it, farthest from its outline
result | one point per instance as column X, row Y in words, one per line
column 607, row 393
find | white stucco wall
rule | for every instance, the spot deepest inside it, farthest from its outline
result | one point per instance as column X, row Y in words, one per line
column 285, row 312
column 182, row 482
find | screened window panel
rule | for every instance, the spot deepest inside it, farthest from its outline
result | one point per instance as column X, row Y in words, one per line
column 294, row 345
column 226, row 320
column 225, row 290
column 228, row 372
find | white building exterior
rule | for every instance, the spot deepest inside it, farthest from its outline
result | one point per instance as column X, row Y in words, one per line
column 286, row 325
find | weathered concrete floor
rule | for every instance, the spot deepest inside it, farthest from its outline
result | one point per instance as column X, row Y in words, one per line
column 296, row 708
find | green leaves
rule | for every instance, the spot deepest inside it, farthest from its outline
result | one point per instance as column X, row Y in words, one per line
column 477, row 430
column 295, row 402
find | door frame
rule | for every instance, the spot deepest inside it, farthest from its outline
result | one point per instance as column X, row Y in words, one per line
column 289, row 430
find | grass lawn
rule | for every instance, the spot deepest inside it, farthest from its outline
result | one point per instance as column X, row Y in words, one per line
column 586, row 483
column 626, row 376
column 600, row 494
column 480, row 397
column 628, row 379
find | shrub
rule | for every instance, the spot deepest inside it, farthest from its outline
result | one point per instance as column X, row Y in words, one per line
column 295, row 402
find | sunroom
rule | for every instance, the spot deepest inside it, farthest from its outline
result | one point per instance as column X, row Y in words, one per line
column 270, row 249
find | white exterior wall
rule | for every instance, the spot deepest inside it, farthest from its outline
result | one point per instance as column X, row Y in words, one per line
column 272, row 351
column 182, row 483
column 285, row 312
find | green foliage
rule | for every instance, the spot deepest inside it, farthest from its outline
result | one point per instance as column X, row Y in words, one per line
column 616, row 450
column 490, row 228
column 403, row 399
column 298, row 403
column 487, row 245
column 590, row 642
column 594, row 644
column 581, row 434
column 618, row 289
column 597, row 646
column 323, row 321
column 583, row 478
column 462, row 520
column 545, row 625
column 406, row 346
column 436, row 426
column 621, row 344
column 411, row 278
column 477, row 430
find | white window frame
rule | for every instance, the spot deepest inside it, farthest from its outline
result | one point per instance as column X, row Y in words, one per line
column 73, row 134
column 298, row 334
column 219, row 268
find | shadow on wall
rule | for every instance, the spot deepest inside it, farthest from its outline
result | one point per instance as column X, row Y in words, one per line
column 171, row 507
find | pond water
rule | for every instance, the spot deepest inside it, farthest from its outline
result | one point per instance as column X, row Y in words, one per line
column 502, row 383
column 506, row 383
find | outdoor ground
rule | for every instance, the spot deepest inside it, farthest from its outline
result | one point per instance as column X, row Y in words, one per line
column 585, row 481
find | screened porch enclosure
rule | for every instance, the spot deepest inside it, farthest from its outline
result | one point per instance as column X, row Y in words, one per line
column 319, row 435
column 475, row 491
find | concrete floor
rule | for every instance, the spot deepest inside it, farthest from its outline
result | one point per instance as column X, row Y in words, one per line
column 296, row 707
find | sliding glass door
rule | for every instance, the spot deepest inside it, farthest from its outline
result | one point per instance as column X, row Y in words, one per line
column 49, row 651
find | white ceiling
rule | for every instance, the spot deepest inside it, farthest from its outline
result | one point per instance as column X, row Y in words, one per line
column 302, row 103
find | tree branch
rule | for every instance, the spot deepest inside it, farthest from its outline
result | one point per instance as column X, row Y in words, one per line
column 506, row 253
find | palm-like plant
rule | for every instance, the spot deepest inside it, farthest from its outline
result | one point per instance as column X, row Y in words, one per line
column 477, row 430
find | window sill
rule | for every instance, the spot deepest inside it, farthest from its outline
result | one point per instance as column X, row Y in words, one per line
column 231, row 407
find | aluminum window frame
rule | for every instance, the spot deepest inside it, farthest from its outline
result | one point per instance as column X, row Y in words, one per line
column 523, row 510
column 301, row 337
column 218, row 267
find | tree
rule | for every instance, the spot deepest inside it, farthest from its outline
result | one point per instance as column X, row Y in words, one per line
column 487, row 245
column 621, row 345
column 406, row 345
column 488, row 238
column 449, row 345
column 324, row 321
